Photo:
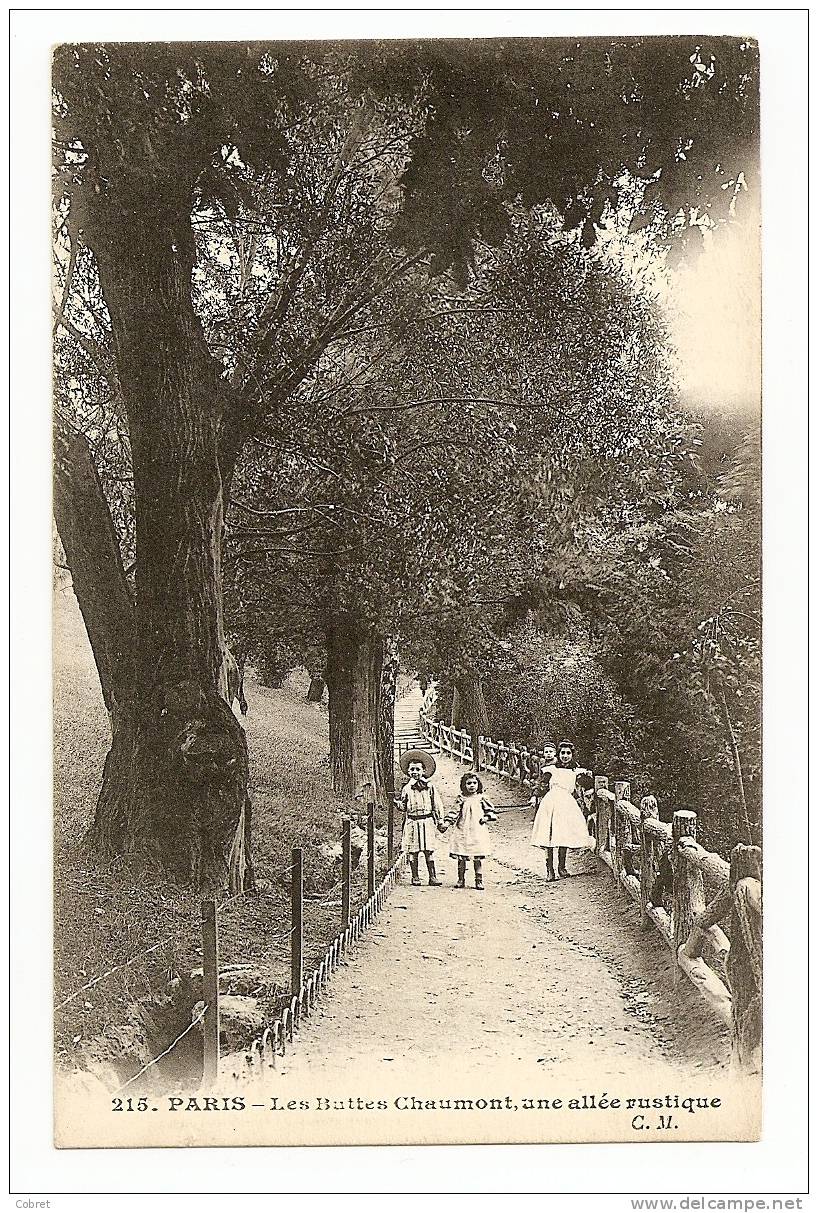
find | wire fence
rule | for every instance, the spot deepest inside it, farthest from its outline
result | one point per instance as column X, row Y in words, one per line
column 89, row 985
column 194, row 1023
column 212, row 913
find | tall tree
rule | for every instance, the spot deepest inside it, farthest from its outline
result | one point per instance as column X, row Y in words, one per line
column 153, row 140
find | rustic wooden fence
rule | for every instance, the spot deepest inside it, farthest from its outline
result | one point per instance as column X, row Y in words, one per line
column 706, row 910
column 262, row 1054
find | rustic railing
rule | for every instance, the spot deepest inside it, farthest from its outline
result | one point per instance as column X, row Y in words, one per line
column 683, row 891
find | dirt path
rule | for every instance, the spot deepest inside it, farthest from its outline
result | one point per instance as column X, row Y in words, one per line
column 525, row 983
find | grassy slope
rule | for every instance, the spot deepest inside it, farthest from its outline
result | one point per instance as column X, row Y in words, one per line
column 104, row 915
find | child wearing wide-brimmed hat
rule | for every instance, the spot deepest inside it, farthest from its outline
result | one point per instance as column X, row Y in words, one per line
column 423, row 805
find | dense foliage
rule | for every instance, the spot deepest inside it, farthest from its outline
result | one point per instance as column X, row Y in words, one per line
column 329, row 328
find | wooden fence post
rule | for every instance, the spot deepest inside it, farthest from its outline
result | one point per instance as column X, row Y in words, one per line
column 688, row 884
column 297, row 923
column 744, row 958
column 513, row 762
column 210, row 992
column 601, row 806
column 390, row 832
column 648, row 811
column 622, row 829
column 478, row 753
column 370, row 850
column 346, row 869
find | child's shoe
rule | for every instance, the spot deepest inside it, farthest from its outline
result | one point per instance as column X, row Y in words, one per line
column 432, row 873
column 478, row 881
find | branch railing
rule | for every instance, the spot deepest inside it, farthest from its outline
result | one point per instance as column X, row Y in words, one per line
column 683, row 891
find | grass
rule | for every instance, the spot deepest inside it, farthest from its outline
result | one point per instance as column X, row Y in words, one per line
column 105, row 915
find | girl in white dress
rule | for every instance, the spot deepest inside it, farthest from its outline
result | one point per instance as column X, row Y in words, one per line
column 469, row 838
column 559, row 823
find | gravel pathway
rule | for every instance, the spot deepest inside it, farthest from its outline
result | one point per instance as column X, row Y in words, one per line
column 524, row 989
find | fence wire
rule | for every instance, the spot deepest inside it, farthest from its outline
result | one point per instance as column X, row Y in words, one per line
column 96, row 980
column 154, row 1060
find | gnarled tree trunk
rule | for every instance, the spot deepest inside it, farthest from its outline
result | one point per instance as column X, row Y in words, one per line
column 354, row 668
column 174, row 790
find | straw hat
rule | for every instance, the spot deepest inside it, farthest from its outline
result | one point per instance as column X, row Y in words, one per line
column 429, row 764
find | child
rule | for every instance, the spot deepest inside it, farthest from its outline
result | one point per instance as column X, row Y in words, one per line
column 543, row 779
column 560, row 823
column 470, row 839
column 423, row 806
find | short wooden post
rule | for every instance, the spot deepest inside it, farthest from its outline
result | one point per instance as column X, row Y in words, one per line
column 346, row 870
column 478, row 753
column 601, row 785
column 210, row 992
column 622, row 789
column 745, row 956
column 688, row 883
column 390, row 832
column 648, row 811
column 622, row 829
column 297, row 923
column 370, row 850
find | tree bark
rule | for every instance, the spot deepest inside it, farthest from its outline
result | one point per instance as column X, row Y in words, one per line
column 92, row 553
column 355, row 655
column 386, row 718
column 175, row 789
column 469, row 705
column 104, row 597
column 315, row 691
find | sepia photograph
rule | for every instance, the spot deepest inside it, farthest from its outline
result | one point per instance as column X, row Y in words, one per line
column 407, row 607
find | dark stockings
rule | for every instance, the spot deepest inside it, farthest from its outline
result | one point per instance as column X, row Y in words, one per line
column 561, row 868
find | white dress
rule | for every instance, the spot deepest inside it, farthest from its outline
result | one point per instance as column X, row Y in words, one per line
column 468, row 838
column 559, row 821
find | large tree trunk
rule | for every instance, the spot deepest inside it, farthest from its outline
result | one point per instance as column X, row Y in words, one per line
column 175, row 793
column 354, row 667
column 104, row 597
column 386, row 719
column 469, row 710
column 92, row 551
